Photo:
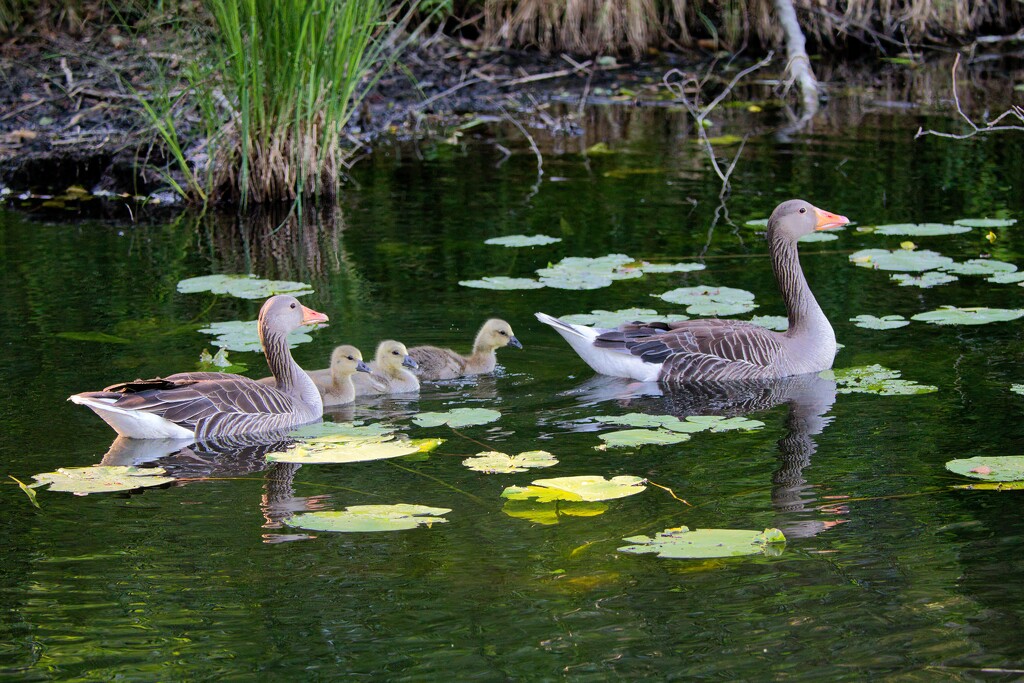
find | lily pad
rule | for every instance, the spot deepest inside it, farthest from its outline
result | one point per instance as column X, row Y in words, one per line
column 951, row 315
column 522, row 240
column 932, row 278
column 711, row 300
column 101, row 479
column 1006, row 278
column 501, row 282
column 337, row 449
column 692, row 424
column 886, row 322
column 1017, row 388
column 328, row 430
column 243, row 335
column 628, row 438
column 757, row 223
column 459, row 417
column 681, row 543
column 219, row 362
column 589, row 488
column 242, row 286
column 818, row 237
column 364, row 518
column 581, row 273
column 901, row 259
column 921, row 229
column 979, row 266
column 779, row 323
column 493, row 462
column 550, row 512
column 990, row 468
column 671, row 267
column 986, row 222
column 874, row 379
column 611, row 319
column 717, row 423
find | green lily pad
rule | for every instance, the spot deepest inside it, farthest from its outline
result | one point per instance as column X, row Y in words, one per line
column 692, row 424
column 704, row 300
column 994, row 486
column 779, row 323
column 364, row 518
column 501, row 282
column 990, row 468
column 589, row 488
column 581, row 273
column 219, row 362
column 757, row 223
column 329, row 430
column 522, row 240
column 717, row 423
column 101, row 479
column 671, row 267
column 932, row 278
column 338, row 449
column 1017, row 388
column 243, row 335
column 493, row 462
column 612, row 319
column 986, row 222
column 921, row 229
column 886, row 322
column 1006, row 278
column 101, row 337
column 951, row 315
column 242, row 286
column 628, row 438
column 551, row 511
column 874, row 379
column 459, row 417
column 905, row 260
column 681, row 543
column 978, row 266
column 818, row 237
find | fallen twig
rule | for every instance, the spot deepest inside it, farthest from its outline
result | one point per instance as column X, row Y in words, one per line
column 990, row 126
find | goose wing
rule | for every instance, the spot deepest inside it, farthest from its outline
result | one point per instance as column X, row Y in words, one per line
column 699, row 349
column 436, row 363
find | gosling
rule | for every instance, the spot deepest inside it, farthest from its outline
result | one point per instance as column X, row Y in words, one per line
column 335, row 383
column 437, row 363
column 388, row 374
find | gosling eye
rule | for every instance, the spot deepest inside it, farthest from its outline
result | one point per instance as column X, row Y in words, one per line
column 803, row 210
column 350, row 357
column 394, row 353
column 502, row 333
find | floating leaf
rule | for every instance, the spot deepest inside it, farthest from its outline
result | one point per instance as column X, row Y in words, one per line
column 364, row 518
column 921, row 229
column 612, row 319
column 978, row 266
column 1006, row 278
column 579, row 272
column 692, row 424
column 932, row 278
column 990, row 468
column 522, row 240
column 493, row 462
column 340, row 449
column 588, row 488
column 717, row 423
column 986, row 222
column 243, row 286
column 101, row 478
column 886, row 322
column 101, row 337
column 671, row 267
column 328, row 430
column 501, row 282
column 711, row 300
column 994, row 486
column 874, row 379
column 1017, row 388
column 459, row 417
column 628, row 438
column 779, row 323
column 28, row 490
column 951, row 315
column 757, row 223
column 550, row 512
column 243, row 335
column 901, row 259
column 681, row 543
column 219, row 362
column 818, row 237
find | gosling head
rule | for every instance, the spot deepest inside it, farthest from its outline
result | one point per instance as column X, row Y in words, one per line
column 495, row 334
column 347, row 360
column 795, row 218
column 392, row 356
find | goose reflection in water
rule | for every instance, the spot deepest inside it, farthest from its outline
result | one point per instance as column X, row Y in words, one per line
column 184, row 459
column 809, row 397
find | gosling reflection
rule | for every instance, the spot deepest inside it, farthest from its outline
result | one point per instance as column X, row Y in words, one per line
column 809, row 398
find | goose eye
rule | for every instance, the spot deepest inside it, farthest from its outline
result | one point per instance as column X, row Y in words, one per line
column 803, row 210
column 292, row 306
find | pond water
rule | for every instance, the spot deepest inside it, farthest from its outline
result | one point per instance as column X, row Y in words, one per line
column 889, row 571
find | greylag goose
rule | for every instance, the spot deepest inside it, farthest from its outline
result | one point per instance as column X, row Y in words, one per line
column 335, row 382
column 437, row 363
column 202, row 405
column 717, row 349
column 388, row 374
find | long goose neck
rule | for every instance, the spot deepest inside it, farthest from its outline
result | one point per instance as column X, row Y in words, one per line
column 289, row 376
column 805, row 315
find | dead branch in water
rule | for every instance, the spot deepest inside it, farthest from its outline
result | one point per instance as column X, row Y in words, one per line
column 798, row 63
column 1015, row 111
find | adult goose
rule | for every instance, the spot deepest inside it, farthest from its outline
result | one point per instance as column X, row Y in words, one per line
column 437, row 363
column 202, row 405
column 716, row 349
column 335, row 382
column 388, row 373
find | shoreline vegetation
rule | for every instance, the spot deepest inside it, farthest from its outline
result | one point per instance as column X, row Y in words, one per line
column 238, row 102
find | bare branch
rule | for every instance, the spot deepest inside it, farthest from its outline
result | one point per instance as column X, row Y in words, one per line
column 990, row 126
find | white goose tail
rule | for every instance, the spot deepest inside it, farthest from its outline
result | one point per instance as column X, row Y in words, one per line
column 606, row 361
column 135, row 424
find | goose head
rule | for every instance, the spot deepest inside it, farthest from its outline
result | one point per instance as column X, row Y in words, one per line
column 392, row 356
column 283, row 313
column 495, row 334
column 795, row 218
column 347, row 360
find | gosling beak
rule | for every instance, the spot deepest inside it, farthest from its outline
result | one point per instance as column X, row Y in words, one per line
column 827, row 221
column 514, row 343
column 310, row 317
column 410, row 363
column 362, row 367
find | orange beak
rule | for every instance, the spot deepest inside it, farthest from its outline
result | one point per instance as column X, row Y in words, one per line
column 310, row 317
column 827, row 221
